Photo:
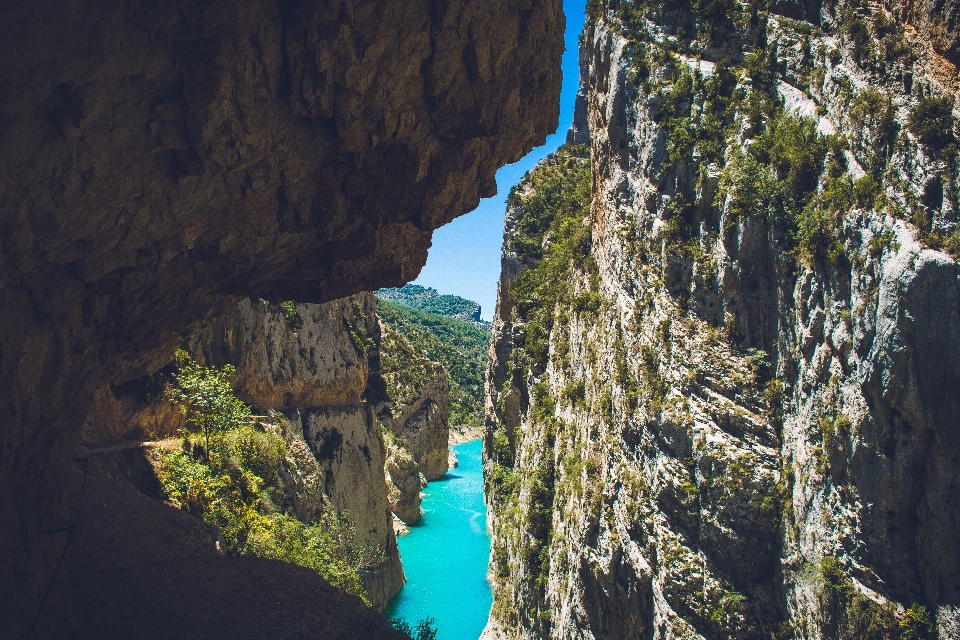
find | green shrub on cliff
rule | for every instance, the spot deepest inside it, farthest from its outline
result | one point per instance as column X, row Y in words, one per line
column 851, row 614
column 932, row 122
column 552, row 238
column 460, row 346
column 234, row 480
column 225, row 489
column 425, row 629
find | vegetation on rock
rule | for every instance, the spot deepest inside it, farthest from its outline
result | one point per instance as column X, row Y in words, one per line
column 235, row 480
column 677, row 412
column 460, row 346
column 428, row 300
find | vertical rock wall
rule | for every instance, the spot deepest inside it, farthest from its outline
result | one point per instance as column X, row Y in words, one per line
column 738, row 417
column 312, row 362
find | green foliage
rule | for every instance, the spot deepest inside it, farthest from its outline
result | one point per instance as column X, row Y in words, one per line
column 461, row 347
column 552, row 239
column 406, row 370
column 429, row 301
column 851, row 615
column 238, row 487
column 290, row 314
column 587, row 302
column 357, row 330
column 773, row 395
column 881, row 242
column 873, row 115
column 575, row 392
column 795, row 151
column 860, row 38
column 751, row 189
column 758, row 361
column 205, row 396
column 425, row 629
column 932, row 122
column 778, row 180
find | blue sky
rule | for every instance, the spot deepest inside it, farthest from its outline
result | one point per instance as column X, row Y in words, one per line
column 465, row 257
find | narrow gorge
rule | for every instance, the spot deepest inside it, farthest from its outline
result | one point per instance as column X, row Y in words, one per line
column 722, row 397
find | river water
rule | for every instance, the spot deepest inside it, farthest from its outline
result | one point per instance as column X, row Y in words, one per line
column 445, row 554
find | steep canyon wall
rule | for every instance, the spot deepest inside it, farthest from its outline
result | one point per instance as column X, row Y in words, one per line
column 722, row 394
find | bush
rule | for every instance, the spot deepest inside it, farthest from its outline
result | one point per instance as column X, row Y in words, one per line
column 225, row 490
column 234, row 482
column 850, row 614
column 932, row 122
column 552, row 239
column 425, row 629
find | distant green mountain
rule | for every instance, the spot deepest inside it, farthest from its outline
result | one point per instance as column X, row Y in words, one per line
column 429, row 300
column 459, row 345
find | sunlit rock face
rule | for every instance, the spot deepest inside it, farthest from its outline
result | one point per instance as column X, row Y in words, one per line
column 737, row 417
column 162, row 161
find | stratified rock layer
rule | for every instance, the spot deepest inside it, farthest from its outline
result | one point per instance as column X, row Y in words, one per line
column 162, row 161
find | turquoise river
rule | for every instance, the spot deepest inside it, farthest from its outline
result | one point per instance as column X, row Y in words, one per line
column 445, row 554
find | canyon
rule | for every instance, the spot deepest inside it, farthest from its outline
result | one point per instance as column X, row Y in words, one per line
column 721, row 398
column 721, row 393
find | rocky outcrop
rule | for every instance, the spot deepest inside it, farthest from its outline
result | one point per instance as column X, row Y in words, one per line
column 416, row 405
column 404, row 481
column 311, row 363
column 165, row 161
column 349, row 449
column 411, row 397
column 316, row 366
column 736, row 418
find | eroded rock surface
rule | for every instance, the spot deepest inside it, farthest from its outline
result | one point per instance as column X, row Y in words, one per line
column 417, row 404
column 163, row 161
column 738, row 417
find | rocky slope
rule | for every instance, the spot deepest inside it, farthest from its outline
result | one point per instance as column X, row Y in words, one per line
column 141, row 569
column 163, row 161
column 460, row 346
column 410, row 394
column 737, row 417
column 311, row 364
column 429, row 300
column 416, row 402
column 359, row 405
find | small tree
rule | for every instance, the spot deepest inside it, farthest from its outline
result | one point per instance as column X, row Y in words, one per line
column 205, row 396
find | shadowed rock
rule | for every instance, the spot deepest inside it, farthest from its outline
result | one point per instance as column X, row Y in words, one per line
column 163, row 160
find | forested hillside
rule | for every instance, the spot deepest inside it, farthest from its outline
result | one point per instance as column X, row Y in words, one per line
column 460, row 346
column 431, row 301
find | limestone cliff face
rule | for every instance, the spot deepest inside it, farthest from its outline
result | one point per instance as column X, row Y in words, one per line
column 164, row 160
column 311, row 362
column 365, row 411
column 738, row 417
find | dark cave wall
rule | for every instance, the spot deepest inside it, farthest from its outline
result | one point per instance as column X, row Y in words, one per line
column 162, row 160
